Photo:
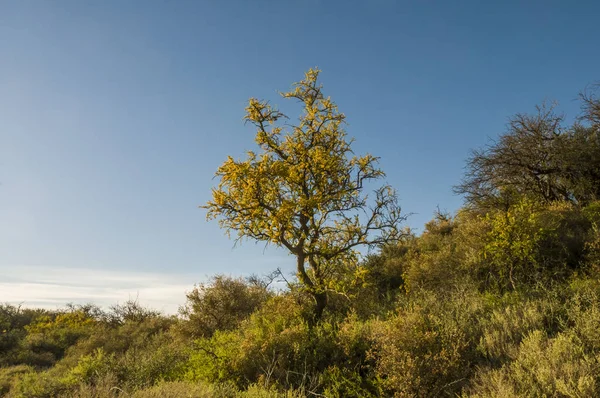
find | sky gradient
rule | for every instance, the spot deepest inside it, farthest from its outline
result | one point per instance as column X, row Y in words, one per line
column 114, row 116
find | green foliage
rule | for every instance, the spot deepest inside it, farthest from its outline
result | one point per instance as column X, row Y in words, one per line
column 276, row 348
column 346, row 383
column 583, row 311
column 426, row 348
column 511, row 245
column 51, row 335
column 142, row 362
column 91, row 367
column 448, row 252
column 13, row 323
column 529, row 243
column 103, row 387
column 543, row 367
column 592, row 244
column 44, row 384
column 182, row 389
column 504, row 327
column 379, row 279
column 9, row 375
column 212, row 359
column 268, row 347
column 220, row 305
column 202, row 390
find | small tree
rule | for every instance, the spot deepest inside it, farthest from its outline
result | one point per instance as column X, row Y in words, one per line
column 304, row 190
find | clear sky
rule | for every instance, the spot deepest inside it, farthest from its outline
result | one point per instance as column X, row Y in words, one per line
column 114, row 116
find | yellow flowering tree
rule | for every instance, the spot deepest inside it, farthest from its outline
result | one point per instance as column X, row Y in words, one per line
column 304, row 190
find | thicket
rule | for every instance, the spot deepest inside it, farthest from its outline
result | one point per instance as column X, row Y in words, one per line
column 501, row 299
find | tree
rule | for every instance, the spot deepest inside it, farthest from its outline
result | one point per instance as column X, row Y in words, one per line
column 591, row 105
column 303, row 190
column 521, row 161
column 538, row 157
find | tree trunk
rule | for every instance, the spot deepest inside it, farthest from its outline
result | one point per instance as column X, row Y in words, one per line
column 320, row 297
column 320, row 304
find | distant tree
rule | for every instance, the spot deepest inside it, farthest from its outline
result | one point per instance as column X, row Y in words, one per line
column 591, row 105
column 538, row 157
column 304, row 190
column 130, row 311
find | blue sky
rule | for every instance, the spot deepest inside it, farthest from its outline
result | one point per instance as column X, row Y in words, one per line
column 114, row 116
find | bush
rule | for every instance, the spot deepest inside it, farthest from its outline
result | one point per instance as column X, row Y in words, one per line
column 9, row 375
column 161, row 358
column 104, row 387
column 13, row 323
column 341, row 382
column 372, row 286
column 51, row 335
column 181, row 389
column 220, row 305
column 583, row 310
column 448, row 252
column 506, row 326
column 543, row 367
column 260, row 347
column 118, row 339
column 33, row 384
column 427, row 348
column 274, row 347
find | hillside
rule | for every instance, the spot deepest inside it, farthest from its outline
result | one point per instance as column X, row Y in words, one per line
column 501, row 299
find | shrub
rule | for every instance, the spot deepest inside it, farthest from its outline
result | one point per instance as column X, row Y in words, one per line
column 427, row 348
column 13, row 323
column 50, row 336
column 220, row 305
column 33, row 384
column 9, row 375
column 583, row 309
column 274, row 347
column 505, row 327
column 379, row 279
column 181, row 389
column 543, row 367
column 342, row 382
